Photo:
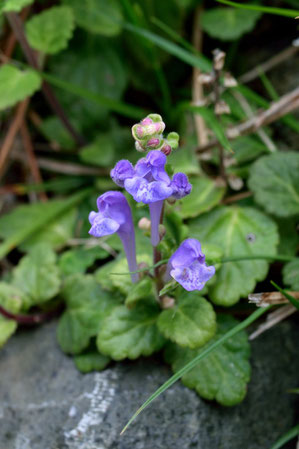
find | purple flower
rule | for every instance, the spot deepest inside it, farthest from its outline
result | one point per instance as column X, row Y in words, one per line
column 115, row 215
column 122, row 170
column 187, row 266
column 180, row 185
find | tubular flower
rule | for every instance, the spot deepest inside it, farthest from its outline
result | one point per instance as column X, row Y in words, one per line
column 180, row 185
column 187, row 266
column 114, row 215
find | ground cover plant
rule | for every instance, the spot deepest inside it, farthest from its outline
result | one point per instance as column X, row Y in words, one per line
column 150, row 183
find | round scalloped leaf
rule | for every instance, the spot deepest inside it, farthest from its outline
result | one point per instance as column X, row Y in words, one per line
column 222, row 375
column 228, row 24
column 16, row 85
column 130, row 333
column 291, row 274
column 7, row 328
column 239, row 232
column 91, row 361
column 204, row 196
column 86, row 307
column 15, row 5
column 37, row 275
column 97, row 16
column 274, row 180
column 50, row 31
column 191, row 322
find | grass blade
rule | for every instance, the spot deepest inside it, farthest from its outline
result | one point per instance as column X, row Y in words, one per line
column 266, row 9
column 209, row 348
column 292, row 433
column 198, row 61
column 16, row 239
column 292, row 300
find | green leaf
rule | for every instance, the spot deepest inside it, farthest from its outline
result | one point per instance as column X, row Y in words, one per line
column 184, row 159
column 28, row 221
column 14, row 5
column 114, row 282
column 50, row 31
column 191, row 322
column 87, row 306
column 91, row 361
column 78, row 260
column 234, row 22
column 100, row 152
column 130, row 333
column 289, row 435
column 54, row 131
column 7, row 328
column 11, row 297
column 274, row 180
column 266, row 9
column 223, row 375
column 37, row 275
column 98, row 78
column 291, row 274
column 209, row 348
column 288, row 236
column 142, row 291
column 204, row 196
column 239, row 232
column 55, row 233
column 16, row 85
column 97, row 16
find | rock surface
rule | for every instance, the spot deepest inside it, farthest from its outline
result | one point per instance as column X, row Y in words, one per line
column 45, row 403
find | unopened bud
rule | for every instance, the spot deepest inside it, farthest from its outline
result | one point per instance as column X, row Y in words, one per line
column 219, row 59
column 162, row 231
column 139, row 147
column 205, row 78
column 229, row 80
column 166, row 149
column 171, row 200
column 222, row 108
column 144, row 224
column 167, row 302
column 146, row 121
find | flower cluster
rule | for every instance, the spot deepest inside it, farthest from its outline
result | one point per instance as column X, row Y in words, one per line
column 148, row 135
column 148, row 182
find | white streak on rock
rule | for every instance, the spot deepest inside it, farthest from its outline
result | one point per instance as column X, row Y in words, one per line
column 84, row 435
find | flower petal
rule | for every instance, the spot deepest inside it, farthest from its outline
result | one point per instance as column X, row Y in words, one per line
column 181, row 186
column 147, row 192
column 103, row 226
column 187, row 253
column 122, row 170
column 193, row 277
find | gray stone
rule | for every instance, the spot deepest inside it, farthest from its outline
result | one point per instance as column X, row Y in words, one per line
column 45, row 403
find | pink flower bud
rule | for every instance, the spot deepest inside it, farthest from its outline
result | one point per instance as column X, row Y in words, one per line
column 153, row 143
column 166, row 149
column 146, row 121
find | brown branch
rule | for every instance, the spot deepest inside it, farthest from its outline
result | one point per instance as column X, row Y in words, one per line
column 69, row 168
column 33, row 165
column 273, row 298
column 17, row 26
column 13, row 129
column 269, row 64
column 237, row 197
column 277, row 109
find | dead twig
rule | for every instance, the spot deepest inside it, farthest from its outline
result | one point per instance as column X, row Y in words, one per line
column 197, row 88
column 274, row 318
column 277, row 109
column 270, row 298
column 237, row 197
column 33, row 165
column 17, row 26
column 269, row 64
column 11, row 134
column 70, row 168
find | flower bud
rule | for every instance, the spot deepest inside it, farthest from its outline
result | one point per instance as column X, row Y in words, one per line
column 166, row 149
column 222, row 108
column 167, row 302
column 144, row 224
